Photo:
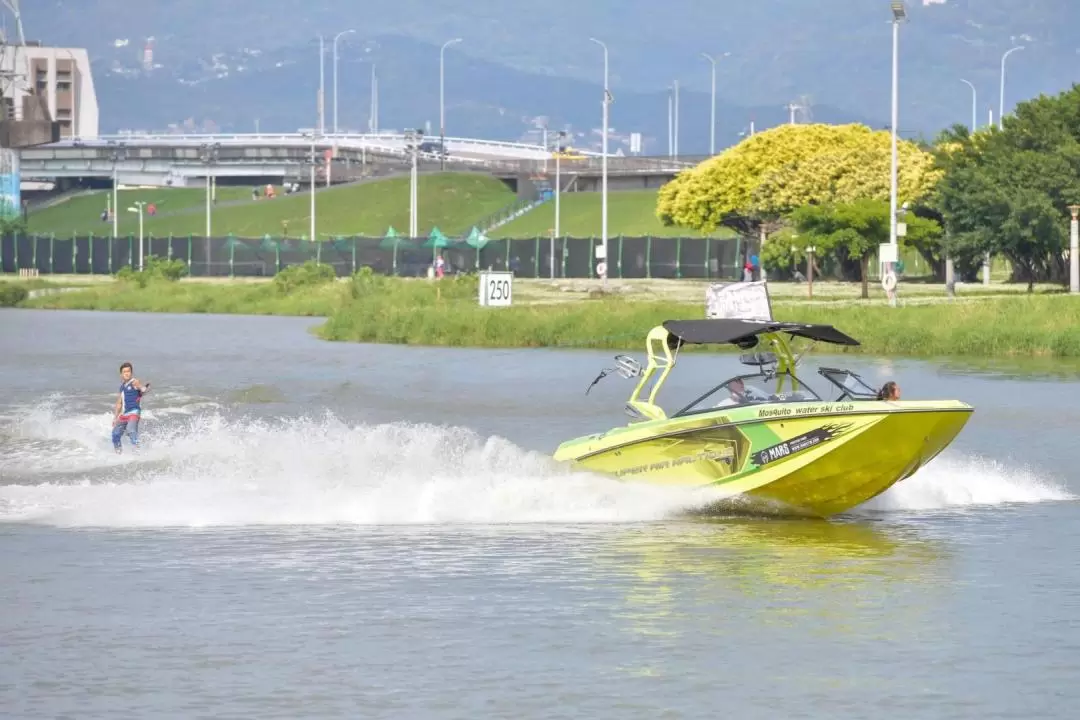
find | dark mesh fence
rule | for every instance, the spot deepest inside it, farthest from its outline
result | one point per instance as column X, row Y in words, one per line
column 543, row 257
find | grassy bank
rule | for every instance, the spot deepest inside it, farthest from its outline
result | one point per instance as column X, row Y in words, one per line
column 630, row 212
column 370, row 308
column 450, row 201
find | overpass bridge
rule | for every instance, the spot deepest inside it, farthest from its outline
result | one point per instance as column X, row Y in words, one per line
column 185, row 160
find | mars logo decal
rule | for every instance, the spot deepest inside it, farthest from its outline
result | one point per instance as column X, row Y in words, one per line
column 798, row 443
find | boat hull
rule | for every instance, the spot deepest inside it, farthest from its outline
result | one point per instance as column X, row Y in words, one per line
column 806, row 459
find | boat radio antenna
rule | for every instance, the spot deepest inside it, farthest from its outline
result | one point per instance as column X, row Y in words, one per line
column 625, row 366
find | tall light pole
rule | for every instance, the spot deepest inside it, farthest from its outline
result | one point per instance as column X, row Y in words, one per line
column 670, row 124
column 1001, row 99
column 603, row 164
column 412, row 145
column 899, row 15
column 373, row 120
column 676, row 119
column 442, row 99
column 712, row 111
column 311, row 209
column 322, row 85
column 974, row 105
column 336, row 37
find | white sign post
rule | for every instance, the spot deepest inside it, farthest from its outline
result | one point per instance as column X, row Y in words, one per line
column 741, row 300
column 496, row 289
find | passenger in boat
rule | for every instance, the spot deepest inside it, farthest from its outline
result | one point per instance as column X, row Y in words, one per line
column 889, row 391
column 739, row 394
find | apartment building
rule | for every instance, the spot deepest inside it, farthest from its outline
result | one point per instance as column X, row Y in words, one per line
column 60, row 76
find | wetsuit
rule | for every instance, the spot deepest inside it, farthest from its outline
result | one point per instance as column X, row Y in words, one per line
column 129, row 414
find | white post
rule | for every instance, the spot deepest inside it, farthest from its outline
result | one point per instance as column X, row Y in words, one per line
column 208, row 192
column 413, row 198
column 312, row 210
column 898, row 15
column 336, row 37
column 140, row 206
column 1001, row 98
column 115, row 204
column 442, row 97
column 712, row 111
column 604, row 166
column 558, row 193
column 322, row 86
column 1074, row 251
column 676, row 119
column 974, row 105
column 373, row 114
column 670, row 125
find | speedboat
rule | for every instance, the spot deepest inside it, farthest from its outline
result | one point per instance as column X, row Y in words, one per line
column 765, row 437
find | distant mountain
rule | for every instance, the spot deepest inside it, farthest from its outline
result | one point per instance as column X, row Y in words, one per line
column 231, row 62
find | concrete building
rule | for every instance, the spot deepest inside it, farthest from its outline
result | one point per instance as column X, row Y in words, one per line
column 60, row 77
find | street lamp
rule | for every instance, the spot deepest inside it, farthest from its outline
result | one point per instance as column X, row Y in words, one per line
column 712, row 111
column 899, row 12
column 322, row 85
column 312, row 188
column 1001, row 99
column 974, row 105
column 138, row 208
column 603, row 167
column 560, row 136
column 373, row 119
column 442, row 100
column 336, row 37
column 412, row 146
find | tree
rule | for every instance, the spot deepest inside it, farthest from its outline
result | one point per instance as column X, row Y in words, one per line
column 853, row 231
column 1007, row 192
column 752, row 186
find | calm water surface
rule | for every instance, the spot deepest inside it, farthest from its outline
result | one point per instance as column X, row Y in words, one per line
column 340, row 531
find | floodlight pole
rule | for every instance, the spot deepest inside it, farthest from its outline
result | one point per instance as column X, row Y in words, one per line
column 336, row 38
column 442, row 101
column 604, row 168
column 974, row 105
column 1001, row 98
column 712, row 111
column 899, row 15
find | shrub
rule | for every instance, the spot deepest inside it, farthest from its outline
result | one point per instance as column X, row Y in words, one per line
column 154, row 269
column 11, row 294
column 307, row 275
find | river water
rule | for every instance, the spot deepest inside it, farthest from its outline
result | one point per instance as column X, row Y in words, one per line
column 339, row 531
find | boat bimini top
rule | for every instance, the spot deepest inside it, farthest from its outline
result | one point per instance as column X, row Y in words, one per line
column 777, row 363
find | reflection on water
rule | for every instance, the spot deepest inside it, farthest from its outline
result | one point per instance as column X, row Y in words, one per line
column 815, row 576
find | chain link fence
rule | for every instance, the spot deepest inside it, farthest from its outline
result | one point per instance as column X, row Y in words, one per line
column 540, row 257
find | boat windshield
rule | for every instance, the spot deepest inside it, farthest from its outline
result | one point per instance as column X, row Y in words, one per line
column 748, row 390
column 850, row 385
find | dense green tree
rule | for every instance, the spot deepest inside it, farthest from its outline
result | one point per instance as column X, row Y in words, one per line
column 1007, row 192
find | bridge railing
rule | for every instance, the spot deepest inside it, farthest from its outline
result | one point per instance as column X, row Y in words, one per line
column 230, row 256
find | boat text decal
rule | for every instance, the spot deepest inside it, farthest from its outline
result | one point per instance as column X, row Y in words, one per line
column 798, row 443
column 724, row 455
column 804, row 410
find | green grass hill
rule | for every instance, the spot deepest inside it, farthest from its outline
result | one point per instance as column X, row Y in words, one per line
column 630, row 212
column 453, row 202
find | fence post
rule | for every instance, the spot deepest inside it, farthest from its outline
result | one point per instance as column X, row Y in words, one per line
column 131, row 250
column 648, row 256
column 536, row 258
column 708, row 251
column 565, row 256
column 678, row 257
column 318, row 251
column 232, row 252
column 277, row 257
column 169, row 252
column 74, row 259
column 620, row 256
column 354, row 254
column 738, row 257
column 506, row 260
column 110, row 239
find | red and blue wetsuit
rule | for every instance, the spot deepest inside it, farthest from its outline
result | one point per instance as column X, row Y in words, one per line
column 130, row 412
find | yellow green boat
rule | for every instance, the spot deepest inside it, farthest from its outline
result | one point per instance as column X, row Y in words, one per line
column 765, row 438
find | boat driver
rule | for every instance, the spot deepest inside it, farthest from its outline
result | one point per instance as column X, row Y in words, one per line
column 739, row 394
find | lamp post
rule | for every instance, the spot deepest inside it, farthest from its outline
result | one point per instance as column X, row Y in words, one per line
column 442, row 101
column 373, row 119
column 561, row 135
column 412, row 145
column 1074, row 250
column 336, row 38
column 974, row 105
column 312, row 188
column 116, row 154
column 138, row 208
column 1001, row 97
column 603, row 167
column 322, row 85
column 712, row 110
column 899, row 12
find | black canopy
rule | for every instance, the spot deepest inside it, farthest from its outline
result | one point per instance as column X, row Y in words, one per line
column 745, row 332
